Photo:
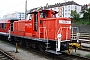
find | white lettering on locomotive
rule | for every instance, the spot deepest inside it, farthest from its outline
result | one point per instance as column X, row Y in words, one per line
column 28, row 25
column 64, row 22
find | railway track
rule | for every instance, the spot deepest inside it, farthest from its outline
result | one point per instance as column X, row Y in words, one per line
column 85, row 49
column 71, row 57
column 5, row 56
column 63, row 56
column 85, row 41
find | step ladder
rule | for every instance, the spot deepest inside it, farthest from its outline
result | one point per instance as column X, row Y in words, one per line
column 45, row 37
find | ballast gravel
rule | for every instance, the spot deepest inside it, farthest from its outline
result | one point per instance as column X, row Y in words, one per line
column 22, row 54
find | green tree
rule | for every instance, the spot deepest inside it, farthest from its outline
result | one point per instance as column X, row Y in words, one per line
column 86, row 14
column 75, row 15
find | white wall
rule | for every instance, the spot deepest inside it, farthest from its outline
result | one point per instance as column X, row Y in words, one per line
column 88, row 6
column 68, row 8
column 19, row 15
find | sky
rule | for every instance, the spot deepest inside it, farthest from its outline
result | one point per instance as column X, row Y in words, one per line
column 10, row 6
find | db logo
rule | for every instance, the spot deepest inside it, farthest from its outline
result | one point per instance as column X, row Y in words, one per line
column 28, row 25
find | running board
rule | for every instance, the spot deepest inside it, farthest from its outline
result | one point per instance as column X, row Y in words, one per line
column 54, row 52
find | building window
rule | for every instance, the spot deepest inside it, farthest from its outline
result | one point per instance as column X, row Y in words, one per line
column 3, row 25
column 69, row 6
column 55, row 8
column 65, row 10
column 65, row 6
column 65, row 13
column 68, row 13
column 68, row 9
column 75, row 7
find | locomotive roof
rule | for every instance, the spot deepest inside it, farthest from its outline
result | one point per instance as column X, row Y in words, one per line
column 9, row 18
column 30, row 11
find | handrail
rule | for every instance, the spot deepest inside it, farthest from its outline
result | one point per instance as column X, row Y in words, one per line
column 60, row 30
column 74, row 37
column 45, row 31
column 45, row 36
column 59, row 36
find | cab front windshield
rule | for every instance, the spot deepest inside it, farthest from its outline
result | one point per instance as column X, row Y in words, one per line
column 48, row 14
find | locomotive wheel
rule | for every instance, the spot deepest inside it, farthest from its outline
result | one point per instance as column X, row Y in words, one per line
column 27, row 44
column 20, row 43
column 0, row 37
column 41, row 47
column 33, row 45
column 30, row 44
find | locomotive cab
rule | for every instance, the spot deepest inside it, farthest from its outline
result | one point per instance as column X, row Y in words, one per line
column 36, row 18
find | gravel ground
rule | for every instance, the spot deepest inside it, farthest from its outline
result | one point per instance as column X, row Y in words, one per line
column 22, row 55
column 27, row 55
column 79, row 52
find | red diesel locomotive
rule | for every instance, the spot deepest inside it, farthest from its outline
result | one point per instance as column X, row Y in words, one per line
column 40, row 30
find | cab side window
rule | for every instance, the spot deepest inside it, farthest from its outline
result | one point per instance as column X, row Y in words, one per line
column 3, row 25
column 43, row 15
column 0, row 25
